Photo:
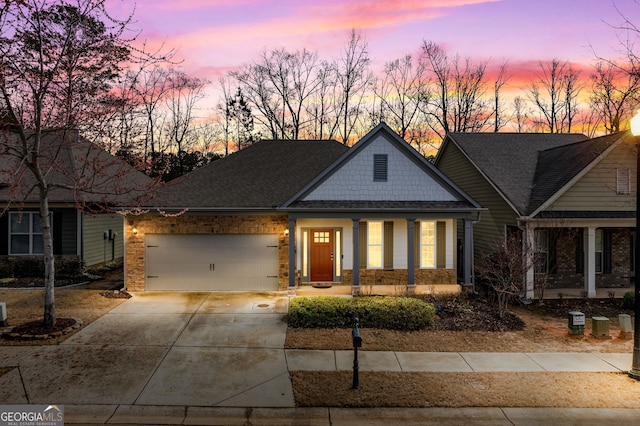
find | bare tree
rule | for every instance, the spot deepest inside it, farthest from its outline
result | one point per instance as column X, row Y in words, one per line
column 498, row 118
column 554, row 95
column 182, row 99
column 58, row 62
column 400, row 93
column 614, row 93
column 458, row 102
column 353, row 80
column 503, row 270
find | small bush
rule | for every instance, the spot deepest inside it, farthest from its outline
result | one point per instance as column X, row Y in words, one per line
column 29, row 267
column 629, row 300
column 392, row 313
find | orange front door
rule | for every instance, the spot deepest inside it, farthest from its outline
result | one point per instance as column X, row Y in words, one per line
column 321, row 255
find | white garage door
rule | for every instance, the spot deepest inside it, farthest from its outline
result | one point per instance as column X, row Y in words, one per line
column 211, row 262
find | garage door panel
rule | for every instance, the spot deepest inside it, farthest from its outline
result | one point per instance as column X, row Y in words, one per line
column 211, row 262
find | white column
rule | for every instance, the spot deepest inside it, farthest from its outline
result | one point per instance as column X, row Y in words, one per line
column 590, row 264
column 528, row 250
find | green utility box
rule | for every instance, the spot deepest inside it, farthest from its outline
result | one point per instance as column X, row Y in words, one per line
column 576, row 323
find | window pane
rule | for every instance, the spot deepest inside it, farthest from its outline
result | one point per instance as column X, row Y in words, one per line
column 20, row 223
column 37, row 228
column 427, row 232
column 375, row 232
column 374, row 242
column 428, row 257
column 375, row 257
column 38, row 246
column 19, row 244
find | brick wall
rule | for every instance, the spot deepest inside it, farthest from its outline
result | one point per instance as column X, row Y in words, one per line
column 566, row 275
column 135, row 250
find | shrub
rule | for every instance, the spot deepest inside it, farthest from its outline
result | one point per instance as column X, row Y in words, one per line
column 629, row 300
column 393, row 313
column 30, row 267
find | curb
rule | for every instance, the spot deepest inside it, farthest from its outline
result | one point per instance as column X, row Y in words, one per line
column 191, row 415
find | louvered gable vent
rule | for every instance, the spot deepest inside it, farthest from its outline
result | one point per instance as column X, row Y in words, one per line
column 380, row 167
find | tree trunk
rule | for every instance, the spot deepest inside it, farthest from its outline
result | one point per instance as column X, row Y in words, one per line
column 49, row 264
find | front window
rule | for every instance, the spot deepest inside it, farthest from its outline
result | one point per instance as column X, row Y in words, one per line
column 599, row 250
column 541, row 237
column 375, row 239
column 25, row 233
column 427, row 244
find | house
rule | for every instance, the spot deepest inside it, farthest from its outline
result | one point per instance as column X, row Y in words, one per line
column 571, row 198
column 84, row 181
column 285, row 213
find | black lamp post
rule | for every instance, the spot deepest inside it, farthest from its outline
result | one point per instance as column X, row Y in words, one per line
column 635, row 367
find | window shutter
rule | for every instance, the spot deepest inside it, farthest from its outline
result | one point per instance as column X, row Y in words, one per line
column 388, row 245
column 580, row 252
column 606, row 251
column 362, row 245
column 4, row 230
column 56, row 228
column 441, row 245
column 416, row 244
column 380, row 167
column 553, row 257
column 623, row 179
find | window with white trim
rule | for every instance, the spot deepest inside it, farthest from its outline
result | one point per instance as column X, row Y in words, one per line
column 427, row 244
column 375, row 244
column 25, row 233
column 541, row 240
column 599, row 250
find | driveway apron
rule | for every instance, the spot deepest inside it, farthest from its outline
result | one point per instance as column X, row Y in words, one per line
column 169, row 348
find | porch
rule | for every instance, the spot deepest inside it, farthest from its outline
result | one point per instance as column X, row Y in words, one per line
column 447, row 289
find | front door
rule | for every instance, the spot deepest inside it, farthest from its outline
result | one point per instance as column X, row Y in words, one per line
column 321, row 255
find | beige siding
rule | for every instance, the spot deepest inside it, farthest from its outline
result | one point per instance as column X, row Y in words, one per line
column 490, row 230
column 97, row 249
column 597, row 190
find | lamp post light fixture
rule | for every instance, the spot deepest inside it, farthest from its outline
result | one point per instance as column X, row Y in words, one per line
column 635, row 366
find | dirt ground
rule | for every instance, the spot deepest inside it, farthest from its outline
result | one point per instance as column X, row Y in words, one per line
column 458, row 329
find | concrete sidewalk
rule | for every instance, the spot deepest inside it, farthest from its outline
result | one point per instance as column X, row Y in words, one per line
column 219, row 358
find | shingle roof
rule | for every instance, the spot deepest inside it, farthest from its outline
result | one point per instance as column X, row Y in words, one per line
column 77, row 170
column 262, row 176
column 404, row 206
column 557, row 166
column 509, row 160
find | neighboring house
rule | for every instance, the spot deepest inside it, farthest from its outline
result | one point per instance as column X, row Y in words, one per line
column 79, row 238
column 570, row 197
column 285, row 213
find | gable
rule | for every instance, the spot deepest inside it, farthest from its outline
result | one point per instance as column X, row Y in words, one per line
column 354, row 180
column 597, row 190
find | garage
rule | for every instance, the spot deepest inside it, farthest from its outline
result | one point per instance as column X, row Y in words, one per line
column 219, row 262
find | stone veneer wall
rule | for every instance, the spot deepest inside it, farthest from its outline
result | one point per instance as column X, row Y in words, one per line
column 399, row 276
column 186, row 224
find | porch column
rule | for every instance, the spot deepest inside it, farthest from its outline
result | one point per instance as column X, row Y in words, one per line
column 590, row 267
column 355, row 287
column 292, row 254
column 528, row 251
column 411, row 257
column 468, row 254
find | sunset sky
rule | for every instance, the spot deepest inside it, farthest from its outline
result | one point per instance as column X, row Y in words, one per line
column 213, row 36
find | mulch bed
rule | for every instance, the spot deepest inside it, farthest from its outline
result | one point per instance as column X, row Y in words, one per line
column 37, row 330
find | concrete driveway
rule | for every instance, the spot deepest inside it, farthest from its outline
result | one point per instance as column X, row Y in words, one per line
column 164, row 348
